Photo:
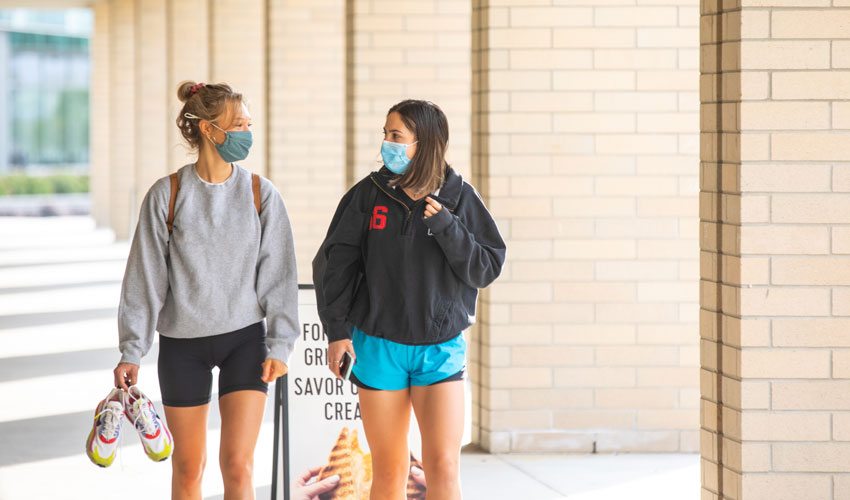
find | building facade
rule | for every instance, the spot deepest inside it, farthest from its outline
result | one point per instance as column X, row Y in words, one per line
column 578, row 124
column 668, row 176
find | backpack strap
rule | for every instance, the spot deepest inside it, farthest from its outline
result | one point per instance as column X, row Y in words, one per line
column 175, row 186
column 255, row 185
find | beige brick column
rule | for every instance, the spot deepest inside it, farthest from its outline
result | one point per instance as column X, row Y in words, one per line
column 307, row 116
column 188, row 59
column 151, row 97
column 585, row 147
column 122, row 132
column 238, row 33
column 99, row 117
column 399, row 49
column 775, row 217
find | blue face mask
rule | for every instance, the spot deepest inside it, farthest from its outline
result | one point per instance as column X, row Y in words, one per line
column 236, row 144
column 395, row 156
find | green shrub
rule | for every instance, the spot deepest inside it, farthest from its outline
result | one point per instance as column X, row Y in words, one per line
column 53, row 184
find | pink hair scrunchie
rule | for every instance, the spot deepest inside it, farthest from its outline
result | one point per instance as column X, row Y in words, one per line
column 195, row 88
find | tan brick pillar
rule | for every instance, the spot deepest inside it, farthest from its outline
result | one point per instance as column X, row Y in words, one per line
column 188, row 24
column 238, row 34
column 100, row 128
column 399, row 49
column 774, row 246
column 307, row 116
column 122, row 126
column 152, row 97
column 585, row 147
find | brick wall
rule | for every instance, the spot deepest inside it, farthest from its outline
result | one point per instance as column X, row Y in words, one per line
column 151, row 45
column 399, row 49
column 774, row 210
column 585, row 124
column 121, row 95
column 188, row 59
column 307, row 117
column 99, row 117
column 585, row 146
column 238, row 56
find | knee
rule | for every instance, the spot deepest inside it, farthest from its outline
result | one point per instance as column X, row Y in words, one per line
column 442, row 468
column 189, row 471
column 391, row 476
column 237, row 470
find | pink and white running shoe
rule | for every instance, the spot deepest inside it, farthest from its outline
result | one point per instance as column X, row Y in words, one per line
column 155, row 437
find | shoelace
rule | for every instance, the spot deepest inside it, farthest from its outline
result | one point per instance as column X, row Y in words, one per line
column 112, row 425
column 143, row 414
column 111, row 421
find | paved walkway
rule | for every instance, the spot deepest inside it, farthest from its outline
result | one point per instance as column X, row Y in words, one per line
column 59, row 284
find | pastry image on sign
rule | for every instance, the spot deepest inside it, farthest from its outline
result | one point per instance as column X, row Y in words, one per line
column 354, row 468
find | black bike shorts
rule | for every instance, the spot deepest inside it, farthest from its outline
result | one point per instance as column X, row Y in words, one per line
column 185, row 365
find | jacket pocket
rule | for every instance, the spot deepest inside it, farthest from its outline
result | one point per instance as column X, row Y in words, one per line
column 441, row 313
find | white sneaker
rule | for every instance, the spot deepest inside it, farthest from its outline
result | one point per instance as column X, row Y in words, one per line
column 103, row 438
column 156, row 439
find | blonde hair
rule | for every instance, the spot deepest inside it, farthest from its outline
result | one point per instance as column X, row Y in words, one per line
column 208, row 101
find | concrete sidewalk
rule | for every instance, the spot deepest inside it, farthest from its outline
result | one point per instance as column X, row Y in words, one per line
column 60, row 280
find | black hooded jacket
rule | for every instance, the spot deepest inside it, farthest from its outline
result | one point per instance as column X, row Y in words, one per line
column 421, row 277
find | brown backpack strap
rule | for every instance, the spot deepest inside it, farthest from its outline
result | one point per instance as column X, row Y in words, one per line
column 174, row 187
column 255, row 185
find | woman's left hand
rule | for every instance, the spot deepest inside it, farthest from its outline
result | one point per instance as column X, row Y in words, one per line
column 272, row 369
column 432, row 207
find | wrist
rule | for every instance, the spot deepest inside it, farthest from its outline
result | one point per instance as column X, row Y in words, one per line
column 438, row 222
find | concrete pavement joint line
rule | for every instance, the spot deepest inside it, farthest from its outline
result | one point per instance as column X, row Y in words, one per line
column 60, row 263
column 533, row 478
column 11, row 321
column 61, row 286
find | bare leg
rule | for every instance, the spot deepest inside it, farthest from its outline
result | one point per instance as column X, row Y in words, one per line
column 440, row 411
column 188, row 427
column 241, row 417
column 386, row 420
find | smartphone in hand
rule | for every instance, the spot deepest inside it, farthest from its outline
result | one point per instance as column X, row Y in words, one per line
column 346, row 365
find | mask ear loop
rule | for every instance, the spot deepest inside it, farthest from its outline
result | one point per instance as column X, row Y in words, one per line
column 196, row 117
column 380, row 159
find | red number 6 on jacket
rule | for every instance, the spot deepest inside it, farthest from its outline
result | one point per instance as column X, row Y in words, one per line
column 379, row 218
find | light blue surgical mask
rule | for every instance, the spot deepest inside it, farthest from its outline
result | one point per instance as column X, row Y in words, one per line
column 236, row 143
column 395, row 156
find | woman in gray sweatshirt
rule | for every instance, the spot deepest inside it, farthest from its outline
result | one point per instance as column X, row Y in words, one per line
column 211, row 258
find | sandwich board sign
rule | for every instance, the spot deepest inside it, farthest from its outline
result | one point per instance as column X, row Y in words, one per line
column 318, row 427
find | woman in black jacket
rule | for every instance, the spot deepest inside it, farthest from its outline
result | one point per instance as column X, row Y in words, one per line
column 396, row 281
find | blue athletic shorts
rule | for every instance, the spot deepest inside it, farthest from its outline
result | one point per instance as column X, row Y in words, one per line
column 389, row 366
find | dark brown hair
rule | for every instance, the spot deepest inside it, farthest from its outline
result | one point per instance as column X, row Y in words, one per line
column 210, row 102
column 429, row 125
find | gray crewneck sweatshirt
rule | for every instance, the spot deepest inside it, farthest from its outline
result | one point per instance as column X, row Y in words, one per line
column 223, row 267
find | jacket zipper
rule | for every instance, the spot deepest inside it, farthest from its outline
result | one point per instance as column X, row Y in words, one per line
column 409, row 212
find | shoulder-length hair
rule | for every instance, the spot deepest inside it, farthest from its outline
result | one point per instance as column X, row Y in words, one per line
column 427, row 170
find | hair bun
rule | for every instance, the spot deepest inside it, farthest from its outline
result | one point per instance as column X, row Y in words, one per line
column 185, row 90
